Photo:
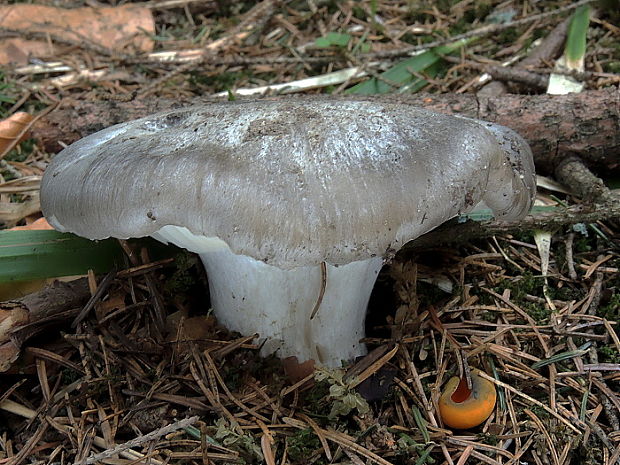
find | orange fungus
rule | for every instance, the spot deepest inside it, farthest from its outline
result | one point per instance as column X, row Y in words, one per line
column 462, row 408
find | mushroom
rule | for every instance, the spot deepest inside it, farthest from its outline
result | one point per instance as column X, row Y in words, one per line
column 292, row 205
column 464, row 408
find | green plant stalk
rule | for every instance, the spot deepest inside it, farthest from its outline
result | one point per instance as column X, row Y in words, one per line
column 576, row 38
column 584, row 405
column 419, row 83
column 500, row 390
column 401, row 73
column 425, row 457
column 337, row 39
column 30, row 255
column 486, row 214
column 420, row 421
column 562, row 356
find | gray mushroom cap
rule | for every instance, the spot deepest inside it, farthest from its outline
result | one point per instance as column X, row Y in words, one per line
column 292, row 182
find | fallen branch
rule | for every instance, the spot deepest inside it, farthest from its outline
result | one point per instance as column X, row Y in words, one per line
column 585, row 124
column 572, row 172
column 547, row 50
column 451, row 233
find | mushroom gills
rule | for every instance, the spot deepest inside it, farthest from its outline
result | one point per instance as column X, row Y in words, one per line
column 250, row 296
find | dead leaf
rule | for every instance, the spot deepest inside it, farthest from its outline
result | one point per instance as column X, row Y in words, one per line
column 13, row 212
column 118, row 28
column 17, row 126
column 13, row 130
column 40, row 224
column 296, row 371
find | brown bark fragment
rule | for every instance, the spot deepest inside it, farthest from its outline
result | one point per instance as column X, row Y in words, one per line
column 572, row 172
column 585, row 124
column 55, row 298
column 23, row 318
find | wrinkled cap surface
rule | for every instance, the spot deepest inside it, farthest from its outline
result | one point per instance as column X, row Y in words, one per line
column 291, row 182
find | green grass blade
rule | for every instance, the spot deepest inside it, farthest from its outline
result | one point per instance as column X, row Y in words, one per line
column 29, row 255
column 500, row 390
column 419, row 83
column 576, row 38
column 425, row 457
column 485, row 214
column 333, row 38
column 584, row 405
column 420, row 421
column 401, row 74
column 562, row 356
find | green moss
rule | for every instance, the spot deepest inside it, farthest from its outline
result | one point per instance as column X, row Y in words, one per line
column 489, row 316
column 7, row 95
column 589, row 453
column 219, row 82
column 529, row 284
column 482, row 9
column 539, row 312
column 490, row 439
column 612, row 67
column 20, row 153
column 301, row 445
column 69, row 376
column 567, row 292
column 184, row 277
column 582, row 244
column 609, row 10
column 525, row 284
column 429, row 294
column 509, row 35
column 539, row 412
column 609, row 354
column 528, row 236
column 240, row 366
column 359, row 13
column 611, row 310
column 315, row 398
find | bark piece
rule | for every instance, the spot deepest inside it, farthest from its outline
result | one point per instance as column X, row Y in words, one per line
column 573, row 173
column 23, row 318
column 585, row 124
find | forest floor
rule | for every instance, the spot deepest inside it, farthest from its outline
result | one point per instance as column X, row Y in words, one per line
column 535, row 311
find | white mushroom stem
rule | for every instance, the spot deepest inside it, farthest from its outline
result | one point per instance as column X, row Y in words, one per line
column 250, row 296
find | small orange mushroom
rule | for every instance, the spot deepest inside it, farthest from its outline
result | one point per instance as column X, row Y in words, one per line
column 463, row 408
